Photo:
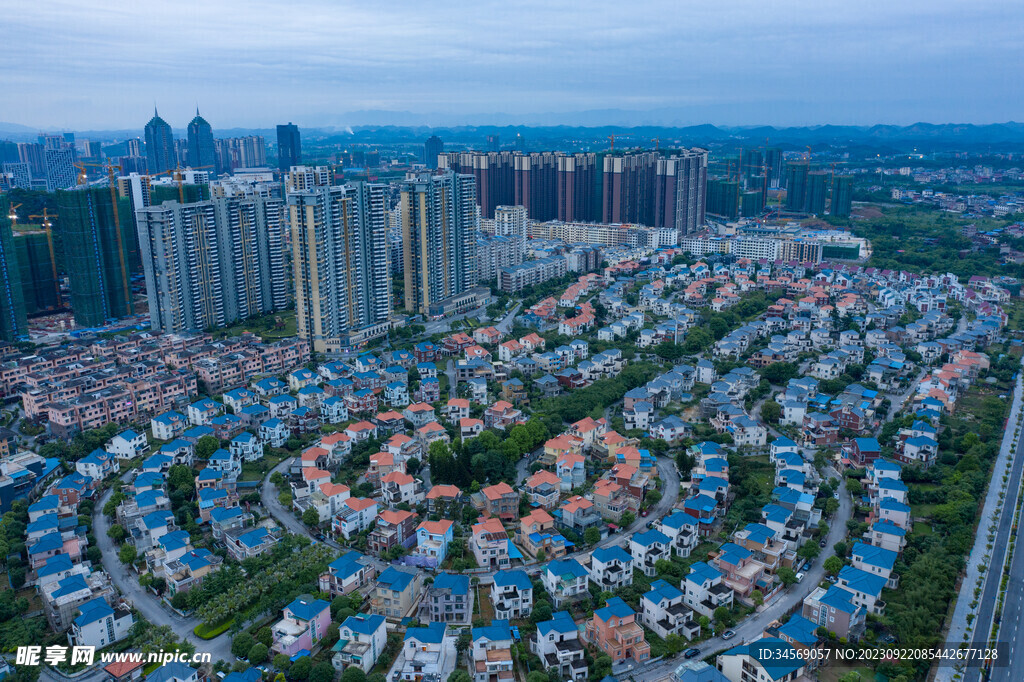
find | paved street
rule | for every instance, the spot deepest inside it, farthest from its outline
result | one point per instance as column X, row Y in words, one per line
column 1011, row 628
column 752, row 627
column 145, row 602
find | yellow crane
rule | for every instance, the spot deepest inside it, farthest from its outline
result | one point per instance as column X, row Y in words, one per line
column 48, row 225
column 12, row 213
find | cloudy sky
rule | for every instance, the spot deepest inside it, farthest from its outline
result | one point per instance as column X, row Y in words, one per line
column 83, row 64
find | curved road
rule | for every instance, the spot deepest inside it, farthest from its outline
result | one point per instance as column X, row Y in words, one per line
column 145, row 602
column 752, row 627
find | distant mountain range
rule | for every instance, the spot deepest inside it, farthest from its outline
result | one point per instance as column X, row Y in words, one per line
column 592, row 128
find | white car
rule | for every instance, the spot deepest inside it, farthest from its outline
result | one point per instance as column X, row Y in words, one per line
column 799, row 577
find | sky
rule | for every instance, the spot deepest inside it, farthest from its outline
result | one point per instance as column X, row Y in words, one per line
column 90, row 65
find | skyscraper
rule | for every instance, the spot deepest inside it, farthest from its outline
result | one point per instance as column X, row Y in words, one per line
column 96, row 236
column 511, row 221
column 493, row 142
column 60, row 168
column 13, row 322
column 773, row 167
column 201, row 153
column 340, row 264
column 575, row 177
column 160, row 154
column 842, row 195
column 32, row 154
column 691, row 186
column 211, row 263
column 289, row 146
column 18, row 174
column 817, row 192
column 438, row 239
column 432, row 148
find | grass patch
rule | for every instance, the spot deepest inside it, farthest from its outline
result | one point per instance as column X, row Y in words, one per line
column 204, row 631
column 922, row 510
column 922, row 529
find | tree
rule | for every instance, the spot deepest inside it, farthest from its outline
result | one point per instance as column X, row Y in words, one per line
column 285, row 499
column 311, row 516
column 541, row 555
column 771, row 411
column 721, row 615
column 674, row 643
column 808, row 551
column 206, row 446
column 126, row 554
column 592, row 536
column 537, row 676
column 627, row 519
column 757, row 597
column 464, row 641
column 412, row 466
column 324, row 672
column 833, row 565
column 241, row 644
column 353, row 674
column 653, row 497
column 705, row 622
column 541, row 612
column 301, row 668
column 117, row 533
column 180, row 478
column 459, row 675
column 281, row 661
column 787, row 575
column 258, row 653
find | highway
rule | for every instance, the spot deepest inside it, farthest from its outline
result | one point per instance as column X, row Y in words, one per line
column 1011, row 627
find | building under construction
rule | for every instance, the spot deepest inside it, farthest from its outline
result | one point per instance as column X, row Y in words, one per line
column 39, row 283
column 98, row 233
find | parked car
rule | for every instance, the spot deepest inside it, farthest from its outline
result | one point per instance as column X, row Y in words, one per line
column 822, row 543
column 728, row 634
column 690, row 653
column 643, row 513
column 831, row 579
column 650, row 524
column 835, row 495
column 806, row 567
column 799, row 577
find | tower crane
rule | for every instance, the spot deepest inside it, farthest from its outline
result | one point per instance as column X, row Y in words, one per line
column 612, row 138
column 12, row 213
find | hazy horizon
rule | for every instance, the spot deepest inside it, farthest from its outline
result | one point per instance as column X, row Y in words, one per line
column 320, row 63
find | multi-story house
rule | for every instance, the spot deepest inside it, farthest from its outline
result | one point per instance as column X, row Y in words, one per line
column 303, row 624
column 565, row 580
column 426, row 653
column 704, row 590
column 448, row 600
column 835, row 610
column 611, row 568
column 648, row 548
column 681, row 530
column 557, row 644
column 543, row 489
column 490, row 544
column 663, row 611
column 348, row 572
column 100, row 625
column 356, row 515
column 767, row 658
column 512, row 594
column 396, row 592
column 500, row 500
column 394, row 528
column 536, row 534
column 579, row 514
column 432, row 539
column 491, row 653
column 614, row 630
column 364, row 637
